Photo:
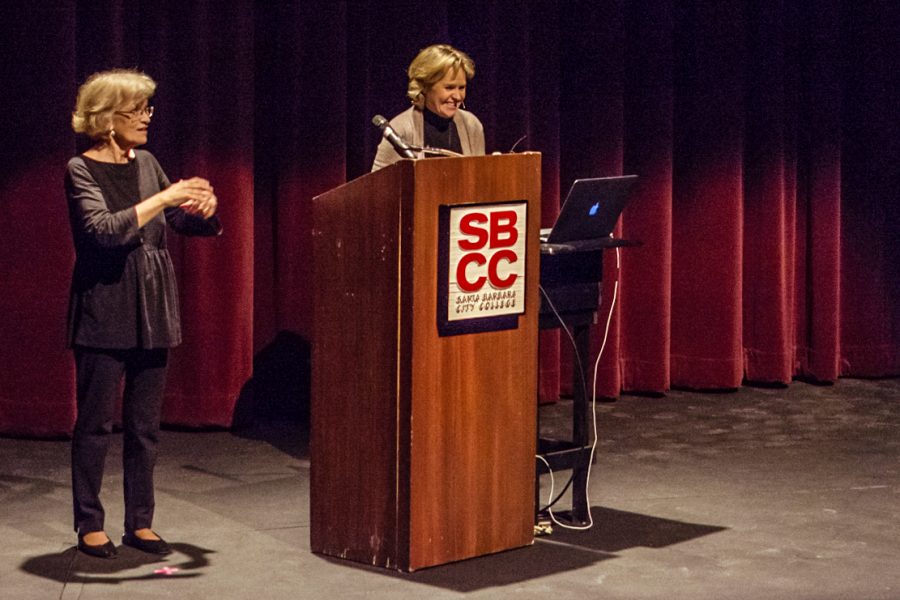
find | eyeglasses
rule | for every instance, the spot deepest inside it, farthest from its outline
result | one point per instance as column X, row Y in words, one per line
column 137, row 113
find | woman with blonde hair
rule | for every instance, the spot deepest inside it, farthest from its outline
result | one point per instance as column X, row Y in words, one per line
column 438, row 77
column 123, row 307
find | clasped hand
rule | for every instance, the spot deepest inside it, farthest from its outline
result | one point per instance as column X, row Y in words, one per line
column 194, row 196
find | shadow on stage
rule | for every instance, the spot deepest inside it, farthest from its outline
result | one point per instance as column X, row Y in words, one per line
column 274, row 403
column 613, row 531
column 74, row 567
column 618, row 530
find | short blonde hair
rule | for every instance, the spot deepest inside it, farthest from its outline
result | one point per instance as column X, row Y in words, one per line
column 106, row 92
column 430, row 66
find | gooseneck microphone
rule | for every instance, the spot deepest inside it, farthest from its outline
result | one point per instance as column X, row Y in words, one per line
column 390, row 135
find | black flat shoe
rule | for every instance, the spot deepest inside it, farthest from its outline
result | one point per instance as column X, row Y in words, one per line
column 107, row 550
column 159, row 546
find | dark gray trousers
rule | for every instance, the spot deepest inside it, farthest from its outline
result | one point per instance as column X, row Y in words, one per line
column 99, row 375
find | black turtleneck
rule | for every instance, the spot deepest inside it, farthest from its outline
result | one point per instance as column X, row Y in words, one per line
column 441, row 132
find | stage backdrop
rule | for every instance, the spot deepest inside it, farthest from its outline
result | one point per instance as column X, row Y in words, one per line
column 765, row 135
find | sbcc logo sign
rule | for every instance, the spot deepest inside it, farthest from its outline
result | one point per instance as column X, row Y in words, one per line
column 486, row 273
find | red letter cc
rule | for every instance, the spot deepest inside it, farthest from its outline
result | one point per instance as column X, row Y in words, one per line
column 463, row 283
column 510, row 257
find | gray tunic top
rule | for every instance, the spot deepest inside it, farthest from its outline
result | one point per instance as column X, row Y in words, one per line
column 124, row 293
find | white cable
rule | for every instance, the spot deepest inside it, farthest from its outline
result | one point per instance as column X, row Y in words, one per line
column 552, row 483
column 587, row 484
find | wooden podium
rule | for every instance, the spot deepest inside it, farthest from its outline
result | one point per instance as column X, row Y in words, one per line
column 422, row 446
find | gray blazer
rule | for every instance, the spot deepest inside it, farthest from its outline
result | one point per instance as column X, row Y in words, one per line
column 410, row 125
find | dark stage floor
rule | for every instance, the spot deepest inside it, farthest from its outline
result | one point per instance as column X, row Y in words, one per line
column 760, row 494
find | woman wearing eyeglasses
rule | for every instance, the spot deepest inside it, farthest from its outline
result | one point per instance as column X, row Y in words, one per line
column 123, row 308
column 438, row 77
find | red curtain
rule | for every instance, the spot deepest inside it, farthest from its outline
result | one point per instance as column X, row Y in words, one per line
column 200, row 128
column 764, row 134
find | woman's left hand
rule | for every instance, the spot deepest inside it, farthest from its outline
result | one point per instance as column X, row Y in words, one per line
column 204, row 207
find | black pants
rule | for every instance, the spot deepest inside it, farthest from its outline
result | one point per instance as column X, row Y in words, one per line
column 99, row 381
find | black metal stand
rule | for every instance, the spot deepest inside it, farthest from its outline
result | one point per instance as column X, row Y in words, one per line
column 570, row 296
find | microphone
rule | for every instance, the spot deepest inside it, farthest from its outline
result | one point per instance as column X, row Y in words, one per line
column 390, row 135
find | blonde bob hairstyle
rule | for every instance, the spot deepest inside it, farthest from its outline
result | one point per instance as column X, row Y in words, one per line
column 430, row 66
column 103, row 94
